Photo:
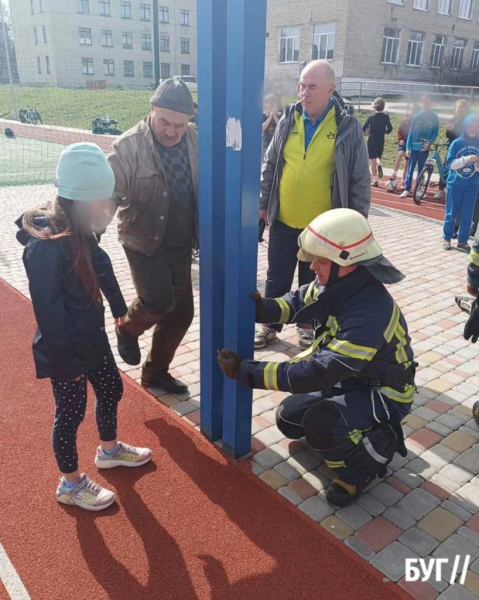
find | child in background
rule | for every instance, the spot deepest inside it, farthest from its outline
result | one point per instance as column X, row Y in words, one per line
column 376, row 127
column 66, row 270
column 402, row 134
column 462, row 183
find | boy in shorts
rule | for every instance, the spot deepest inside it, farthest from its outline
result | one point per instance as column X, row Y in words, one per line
column 377, row 127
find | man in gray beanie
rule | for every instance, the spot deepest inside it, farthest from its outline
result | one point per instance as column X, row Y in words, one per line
column 155, row 166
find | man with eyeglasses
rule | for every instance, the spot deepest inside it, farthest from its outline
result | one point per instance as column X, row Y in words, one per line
column 316, row 161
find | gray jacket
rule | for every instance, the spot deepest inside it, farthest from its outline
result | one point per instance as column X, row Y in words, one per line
column 351, row 182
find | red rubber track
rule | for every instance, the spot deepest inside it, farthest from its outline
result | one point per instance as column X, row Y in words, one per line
column 429, row 207
column 193, row 524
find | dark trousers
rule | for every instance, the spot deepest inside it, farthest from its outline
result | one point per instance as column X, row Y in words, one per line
column 333, row 422
column 418, row 157
column 70, row 406
column 282, row 260
column 165, row 300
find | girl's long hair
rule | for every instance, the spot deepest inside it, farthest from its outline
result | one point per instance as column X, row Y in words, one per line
column 67, row 219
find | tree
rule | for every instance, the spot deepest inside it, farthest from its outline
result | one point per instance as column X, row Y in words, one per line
column 6, row 26
column 447, row 75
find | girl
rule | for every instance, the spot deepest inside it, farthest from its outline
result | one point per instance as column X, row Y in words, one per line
column 462, row 183
column 66, row 270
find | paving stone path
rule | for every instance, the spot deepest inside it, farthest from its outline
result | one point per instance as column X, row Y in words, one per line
column 429, row 505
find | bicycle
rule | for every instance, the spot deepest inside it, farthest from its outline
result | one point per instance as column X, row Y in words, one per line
column 424, row 179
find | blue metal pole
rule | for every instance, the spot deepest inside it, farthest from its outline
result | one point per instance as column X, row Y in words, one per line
column 245, row 68
column 211, row 162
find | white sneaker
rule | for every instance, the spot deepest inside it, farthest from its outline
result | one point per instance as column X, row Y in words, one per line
column 86, row 494
column 405, row 194
column 440, row 194
column 306, row 338
column 263, row 335
column 126, row 456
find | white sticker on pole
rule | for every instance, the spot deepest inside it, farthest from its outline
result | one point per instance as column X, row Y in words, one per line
column 234, row 134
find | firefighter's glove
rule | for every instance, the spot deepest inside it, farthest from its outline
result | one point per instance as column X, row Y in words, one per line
column 471, row 329
column 229, row 363
column 259, row 303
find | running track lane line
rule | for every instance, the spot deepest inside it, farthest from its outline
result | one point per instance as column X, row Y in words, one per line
column 11, row 579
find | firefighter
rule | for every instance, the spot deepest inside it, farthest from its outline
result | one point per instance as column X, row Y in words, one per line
column 352, row 388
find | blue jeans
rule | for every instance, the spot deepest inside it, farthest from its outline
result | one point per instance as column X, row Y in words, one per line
column 460, row 202
column 418, row 157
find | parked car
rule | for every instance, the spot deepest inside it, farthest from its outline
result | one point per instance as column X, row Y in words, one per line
column 191, row 82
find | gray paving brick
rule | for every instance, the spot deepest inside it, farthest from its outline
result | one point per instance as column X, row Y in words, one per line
column 475, row 566
column 457, row 592
column 419, row 541
column 256, row 468
column 306, row 461
column 359, row 548
column 287, row 471
column 456, row 473
column 398, row 462
column 418, row 503
column 410, row 479
column 183, row 408
column 422, row 467
column 399, row 518
column 385, row 494
column 467, row 497
column 317, row 509
column 355, row 516
column 392, row 560
column 467, row 430
column 371, row 505
column 455, row 509
column 456, row 545
column 469, row 461
column 439, row 455
column 270, row 436
column 438, row 428
column 469, row 534
column 425, row 413
column 450, row 421
column 268, row 458
column 447, row 483
column 459, row 416
column 291, row 495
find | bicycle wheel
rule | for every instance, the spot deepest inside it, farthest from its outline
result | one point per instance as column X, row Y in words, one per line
column 421, row 185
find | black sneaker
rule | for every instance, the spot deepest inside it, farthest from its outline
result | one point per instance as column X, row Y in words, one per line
column 464, row 247
column 473, row 230
column 128, row 347
column 342, row 494
column 380, row 171
column 455, row 234
column 167, row 383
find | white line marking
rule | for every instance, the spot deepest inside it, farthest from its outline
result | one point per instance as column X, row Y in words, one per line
column 11, row 579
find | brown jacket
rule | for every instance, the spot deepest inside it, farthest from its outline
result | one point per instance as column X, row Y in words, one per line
column 141, row 191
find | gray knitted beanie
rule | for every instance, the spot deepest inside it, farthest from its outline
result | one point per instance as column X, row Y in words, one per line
column 174, row 95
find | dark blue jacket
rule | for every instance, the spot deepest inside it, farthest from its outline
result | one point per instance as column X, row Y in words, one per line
column 71, row 338
column 361, row 336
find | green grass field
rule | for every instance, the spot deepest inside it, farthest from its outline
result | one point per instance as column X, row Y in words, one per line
column 25, row 161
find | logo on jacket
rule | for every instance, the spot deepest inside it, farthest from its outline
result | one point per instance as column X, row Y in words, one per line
column 331, row 135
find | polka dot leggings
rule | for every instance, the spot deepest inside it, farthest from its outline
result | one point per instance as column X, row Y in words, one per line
column 70, row 406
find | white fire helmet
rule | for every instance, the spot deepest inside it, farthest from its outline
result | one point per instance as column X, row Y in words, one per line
column 345, row 237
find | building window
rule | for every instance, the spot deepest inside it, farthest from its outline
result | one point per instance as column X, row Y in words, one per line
column 105, row 9
column 87, row 66
column 438, row 51
column 458, row 51
column 165, row 71
column 125, row 10
column 32, row 10
column 390, row 51
column 400, row 2
column 146, row 41
column 145, row 12
column 415, row 49
column 164, row 14
column 128, row 68
column 147, row 69
column 127, row 39
column 421, row 4
column 40, row 5
column 185, row 70
column 39, row 65
column 444, row 7
column 289, row 45
column 475, row 57
column 323, row 41
column 185, row 45
column 106, row 38
column 164, row 43
column 35, row 35
column 85, row 36
column 108, row 66
column 84, row 6
column 47, row 64
column 185, row 18
column 465, row 9
column 44, row 32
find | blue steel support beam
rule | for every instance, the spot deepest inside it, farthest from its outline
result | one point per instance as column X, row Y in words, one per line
column 211, row 161
column 246, row 33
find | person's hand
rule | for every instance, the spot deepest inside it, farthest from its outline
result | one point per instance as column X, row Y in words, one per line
column 473, row 158
column 229, row 363
column 472, row 290
column 471, row 329
column 426, row 147
column 408, row 153
column 263, row 216
column 401, row 143
column 120, row 321
column 258, row 301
